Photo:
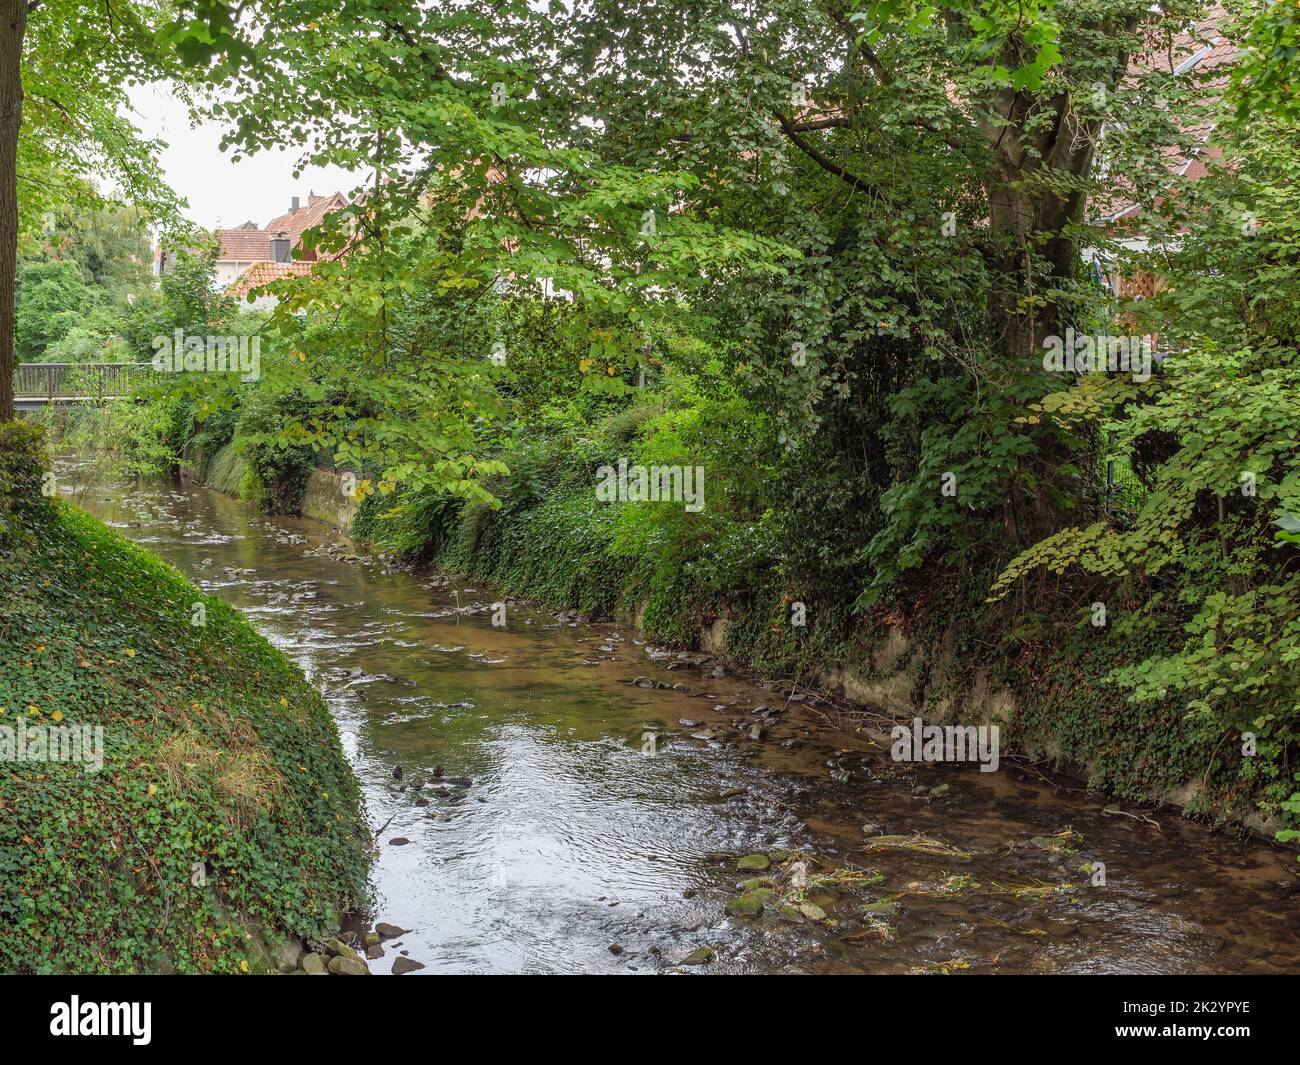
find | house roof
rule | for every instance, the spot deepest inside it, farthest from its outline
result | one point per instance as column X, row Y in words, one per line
column 296, row 223
column 244, row 245
column 248, row 243
column 264, row 273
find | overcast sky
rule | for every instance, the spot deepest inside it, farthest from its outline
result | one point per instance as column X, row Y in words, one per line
column 221, row 192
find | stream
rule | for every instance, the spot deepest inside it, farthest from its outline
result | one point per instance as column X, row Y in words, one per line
column 557, row 817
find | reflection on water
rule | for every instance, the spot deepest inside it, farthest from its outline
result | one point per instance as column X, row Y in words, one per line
column 524, row 829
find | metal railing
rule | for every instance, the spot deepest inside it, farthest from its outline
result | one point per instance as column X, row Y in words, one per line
column 55, row 381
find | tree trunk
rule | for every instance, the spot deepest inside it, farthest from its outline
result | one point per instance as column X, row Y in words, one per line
column 1027, row 224
column 13, row 25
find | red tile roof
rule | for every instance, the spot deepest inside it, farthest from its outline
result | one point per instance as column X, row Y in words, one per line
column 296, row 223
column 248, row 244
column 244, row 245
column 260, row 274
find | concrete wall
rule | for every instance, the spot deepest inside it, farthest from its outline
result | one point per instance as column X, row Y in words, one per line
column 324, row 499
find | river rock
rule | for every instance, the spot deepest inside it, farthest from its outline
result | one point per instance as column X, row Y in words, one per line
column 398, row 841
column 699, row 956
column 405, row 965
column 313, row 964
column 336, row 948
column 812, row 911
column 374, row 951
column 750, row 905
column 342, row 966
column 389, row 931
column 285, row 953
column 753, row 862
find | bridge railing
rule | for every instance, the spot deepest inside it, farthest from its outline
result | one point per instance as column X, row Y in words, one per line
column 53, row 381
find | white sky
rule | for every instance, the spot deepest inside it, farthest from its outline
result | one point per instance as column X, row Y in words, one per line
column 221, row 192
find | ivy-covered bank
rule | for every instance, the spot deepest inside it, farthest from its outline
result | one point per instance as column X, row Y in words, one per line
column 174, row 795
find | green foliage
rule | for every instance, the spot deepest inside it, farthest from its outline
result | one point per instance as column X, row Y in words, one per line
column 21, row 461
column 110, row 243
column 77, row 65
column 1224, row 412
column 277, row 470
column 187, row 299
column 1265, row 79
column 53, row 298
column 123, row 439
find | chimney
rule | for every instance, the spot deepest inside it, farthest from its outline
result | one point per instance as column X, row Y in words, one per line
column 293, row 205
column 280, row 248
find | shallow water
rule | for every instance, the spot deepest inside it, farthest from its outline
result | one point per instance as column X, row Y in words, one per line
column 569, row 840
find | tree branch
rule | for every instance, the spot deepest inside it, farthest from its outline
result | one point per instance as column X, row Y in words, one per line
column 824, row 161
column 834, row 122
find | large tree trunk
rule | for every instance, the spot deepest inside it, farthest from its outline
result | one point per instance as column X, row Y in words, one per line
column 1028, row 225
column 1032, row 256
column 13, row 25
column 1030, row 218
